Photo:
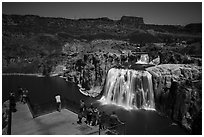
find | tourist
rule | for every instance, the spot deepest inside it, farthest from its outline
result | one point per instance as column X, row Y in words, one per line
column 12, row 101
column 81, row 111
column 80, row 116
column 24, row 97
column 114, row 120
column 94, row 116
column 58, row 101
column 101, row 120
column 97, row 117
column 89, row 115
column 82, row 106
column 20, row 94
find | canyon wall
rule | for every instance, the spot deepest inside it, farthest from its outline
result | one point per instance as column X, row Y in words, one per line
column 178, row 93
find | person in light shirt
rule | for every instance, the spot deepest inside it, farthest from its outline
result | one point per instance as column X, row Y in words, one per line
column 58, row 101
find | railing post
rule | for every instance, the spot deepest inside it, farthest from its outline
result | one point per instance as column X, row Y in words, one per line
column 124, row 128
column 99, row 130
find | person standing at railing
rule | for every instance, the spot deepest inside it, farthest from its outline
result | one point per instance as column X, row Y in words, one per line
column 25, row 95
column 80, row 116
column 89, row 115
column 12, row 101
column 82, row 106
column 101, row 120
column 58, row 101
column 81, row 111
column 95, row 117
column 20, row 94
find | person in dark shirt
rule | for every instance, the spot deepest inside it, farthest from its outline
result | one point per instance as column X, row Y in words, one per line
column 80, row 116
column 89, row 115
column 82, row 106
column 20, row 94
column 12, row 101
column 81, row 111
column 94, row 116
column 102, row 120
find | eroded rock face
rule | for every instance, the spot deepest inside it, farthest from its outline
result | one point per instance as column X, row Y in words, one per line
column 90, row 72
column 178, row 92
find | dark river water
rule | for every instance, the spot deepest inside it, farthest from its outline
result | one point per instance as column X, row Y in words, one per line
column 43, row 89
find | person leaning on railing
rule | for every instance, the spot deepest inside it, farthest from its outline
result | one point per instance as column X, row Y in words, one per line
column 114, row 120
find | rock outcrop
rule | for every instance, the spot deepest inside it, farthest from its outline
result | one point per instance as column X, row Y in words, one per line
column 5, row 113
column 133, row 21
column 178, row 93
column 90, row 72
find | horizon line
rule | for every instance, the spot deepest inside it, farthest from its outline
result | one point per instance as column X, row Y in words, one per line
column 99, row 18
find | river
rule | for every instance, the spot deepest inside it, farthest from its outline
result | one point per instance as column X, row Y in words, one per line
column 44, row 89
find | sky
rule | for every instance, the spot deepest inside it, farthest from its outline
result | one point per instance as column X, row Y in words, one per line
column 171, row 13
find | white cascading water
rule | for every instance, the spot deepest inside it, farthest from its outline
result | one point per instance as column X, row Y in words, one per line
column 128, row 88
column 144, row 59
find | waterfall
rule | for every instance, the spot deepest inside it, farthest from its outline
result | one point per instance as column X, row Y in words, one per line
column 129, row 88
column 144, row 59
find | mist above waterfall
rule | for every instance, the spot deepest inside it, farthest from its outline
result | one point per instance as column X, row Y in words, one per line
column 131, row 89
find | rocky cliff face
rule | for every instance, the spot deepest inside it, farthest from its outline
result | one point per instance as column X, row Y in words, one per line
column 178, row 93
column 177, row 87
column 90, row 72
column 5, row 113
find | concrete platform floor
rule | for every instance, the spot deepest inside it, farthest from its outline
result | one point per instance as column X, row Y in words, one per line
column 56, row 123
